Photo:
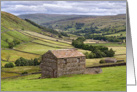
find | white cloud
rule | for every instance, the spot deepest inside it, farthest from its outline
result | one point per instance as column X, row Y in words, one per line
column 65, row 7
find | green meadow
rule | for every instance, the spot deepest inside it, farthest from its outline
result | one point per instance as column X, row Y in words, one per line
column 111, row 79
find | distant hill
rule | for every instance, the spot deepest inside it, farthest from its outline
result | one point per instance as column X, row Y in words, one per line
column 80, row 24
column 49, row 18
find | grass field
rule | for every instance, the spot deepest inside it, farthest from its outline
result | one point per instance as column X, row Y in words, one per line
column 4, row 44
column 45, row 37
column 15, row 55
column 54, row 44
column 4, row 74
column 16, row 71
column 108, row 44
column 34, row 48
column 20, row 69
column 119, row 50
column 18, row 35
column 118, row 34
column 112, row 79
column 90, row 41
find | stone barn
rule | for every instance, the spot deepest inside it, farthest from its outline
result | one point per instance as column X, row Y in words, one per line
column 56, row 63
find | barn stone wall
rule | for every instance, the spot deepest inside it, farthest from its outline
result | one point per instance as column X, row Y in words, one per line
column 72, row 65
column 48, row 66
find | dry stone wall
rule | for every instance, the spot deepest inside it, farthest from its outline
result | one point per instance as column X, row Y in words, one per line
column 73, row 65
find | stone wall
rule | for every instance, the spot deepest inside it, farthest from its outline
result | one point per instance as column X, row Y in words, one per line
column 48, row 66
column 73, row 65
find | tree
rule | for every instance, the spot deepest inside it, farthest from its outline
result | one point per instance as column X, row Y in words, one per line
column 60, row 36
column 36, row 62
column 17, row 62
column 9, row 65
column 11, row 45
column 111, row 53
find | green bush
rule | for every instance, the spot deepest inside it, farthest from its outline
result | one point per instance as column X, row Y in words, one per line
column 9, row 65
column 102, row 61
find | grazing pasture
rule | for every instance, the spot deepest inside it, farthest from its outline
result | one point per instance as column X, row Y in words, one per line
column 34, row 48
column 119, row 50
column 14, row 55
column 45, row 37
column 5, row 74
column 114, row 79
column 18, row 35
column 21, row 69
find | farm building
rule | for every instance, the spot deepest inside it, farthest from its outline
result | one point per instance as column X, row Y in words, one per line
column 110, row 60
column 56, row 63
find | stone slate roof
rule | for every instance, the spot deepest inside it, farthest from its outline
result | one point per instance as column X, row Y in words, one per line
column 66, row 53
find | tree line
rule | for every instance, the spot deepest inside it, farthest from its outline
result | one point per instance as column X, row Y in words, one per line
column 95, row 51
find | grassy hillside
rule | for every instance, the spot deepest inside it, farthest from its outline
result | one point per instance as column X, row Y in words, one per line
column 112, row 79
column 12, row 22
column 82, row 25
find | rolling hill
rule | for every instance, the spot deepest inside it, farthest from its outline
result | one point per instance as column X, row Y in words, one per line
column 43, row 19
column 20, row 38
column 81, row 24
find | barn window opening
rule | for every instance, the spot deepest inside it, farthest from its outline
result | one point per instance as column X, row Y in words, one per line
column 78, row 60
column 65, row 61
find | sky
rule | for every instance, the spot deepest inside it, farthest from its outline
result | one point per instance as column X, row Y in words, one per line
column 65, row 7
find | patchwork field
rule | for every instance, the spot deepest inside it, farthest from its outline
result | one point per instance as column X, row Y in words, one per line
column 118, row 34
column 42, row 45
column 45, row 37
column 113, row 77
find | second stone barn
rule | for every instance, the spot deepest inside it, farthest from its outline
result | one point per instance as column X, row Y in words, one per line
column 56, row 63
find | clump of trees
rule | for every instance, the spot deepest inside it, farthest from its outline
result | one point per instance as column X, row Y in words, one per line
column 79, row 25
column 25, row 62
column 9, row 65
column 96, row 51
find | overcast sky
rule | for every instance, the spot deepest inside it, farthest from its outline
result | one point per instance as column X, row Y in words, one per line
column 65, row 7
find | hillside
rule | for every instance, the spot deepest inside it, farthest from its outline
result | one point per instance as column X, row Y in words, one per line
column 80, row 24
column 12, row 22
column 43, row 19
column 11, row 25
column 20, row 38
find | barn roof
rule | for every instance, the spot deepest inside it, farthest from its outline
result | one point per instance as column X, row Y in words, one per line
column 66, row 53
